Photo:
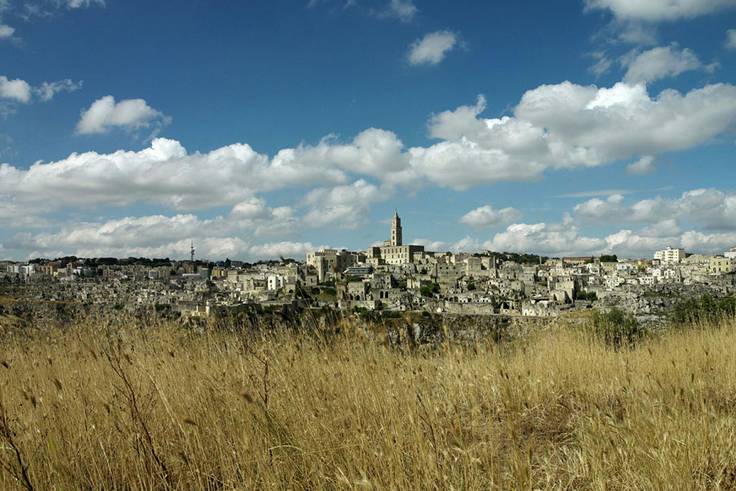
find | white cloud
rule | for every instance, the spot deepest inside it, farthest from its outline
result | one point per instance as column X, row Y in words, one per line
column 76, row 4
column 485, row 216
column 635, row 32
column 280, row 249
column 105, row 114
column 372, row 152
column 568, row 126
column 466, row 244
column 658, row 63
column 561, row 126
column 48, row 90
column 631, row 244
column 731, row 39
column 6, row 32
column 460, row 122
column 341, row 206
column 600, row 210
column 253, row 214
column 714, row 243
column 645, row 165
column 432, row 245
column 252, row 208
column 594, row 194
column 20, row 91
column 432, row 48
column 665, row 228
column 546, row 239
column 710, row 209
column 157, row 236
column 566, row 239
column 660, row 10
column 602, row 64
column 404, row 10
column 17, row 90
column 163, row 173
column 553, row 127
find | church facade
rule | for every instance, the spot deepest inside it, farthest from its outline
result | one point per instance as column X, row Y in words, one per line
column 394, row 251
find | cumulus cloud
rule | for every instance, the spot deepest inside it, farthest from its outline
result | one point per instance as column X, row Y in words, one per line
column 567, row 240
column 658, row 63
column 644, row 243
column 105, row 114
column 341, row 206
column 158, row 236
column 6, row 32
column 432, row 48
column 431, row 245
column 256, row 216
column 597, row 209
column 560, row 126
column 547, row 239
column 373, row 152
column 713, row 243
column 152, row 236
column 553, row 127
column 568, row 126
column 631, row 244
column 280, row 249
column 404, row 10
column 665, row 228
column 710, row 209
column 20, row 91
column 486, row 216
column 76, row 4
column 731, row 39
column 602, row 64
column 16, row 90
column 594, row 193
column 47, row 90
column 466, row 244
column 635, row 32
column 162, row 173
column 645, row 165
column 660, row 10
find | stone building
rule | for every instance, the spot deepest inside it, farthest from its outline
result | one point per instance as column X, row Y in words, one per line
column 394, row 251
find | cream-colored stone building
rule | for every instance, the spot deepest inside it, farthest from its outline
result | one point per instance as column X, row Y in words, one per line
column 394, row 251
column 720, row 265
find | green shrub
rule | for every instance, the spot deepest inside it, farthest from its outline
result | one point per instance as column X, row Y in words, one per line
column 429, row 288
column 583, row 295
column 703, row 310
column 616, row 328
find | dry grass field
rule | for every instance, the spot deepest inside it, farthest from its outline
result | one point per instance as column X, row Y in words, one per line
column 164, row 408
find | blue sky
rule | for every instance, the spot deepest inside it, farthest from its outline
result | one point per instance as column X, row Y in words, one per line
column 266, row 128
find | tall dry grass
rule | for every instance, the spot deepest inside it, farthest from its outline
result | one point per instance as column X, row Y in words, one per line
column 163, row 408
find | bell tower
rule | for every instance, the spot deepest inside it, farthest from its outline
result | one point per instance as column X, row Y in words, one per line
column 396, row 238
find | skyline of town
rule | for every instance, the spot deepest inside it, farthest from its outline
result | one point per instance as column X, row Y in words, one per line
column 394, row 251
column 391, row 275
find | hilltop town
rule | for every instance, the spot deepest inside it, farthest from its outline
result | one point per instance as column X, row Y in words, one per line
column 389, row 277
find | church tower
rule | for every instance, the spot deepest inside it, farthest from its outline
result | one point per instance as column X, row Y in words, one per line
column 396, row 239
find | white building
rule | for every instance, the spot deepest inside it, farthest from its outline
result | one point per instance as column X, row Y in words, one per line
column 731, row 253
column 275, row 282
column 670, row 255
